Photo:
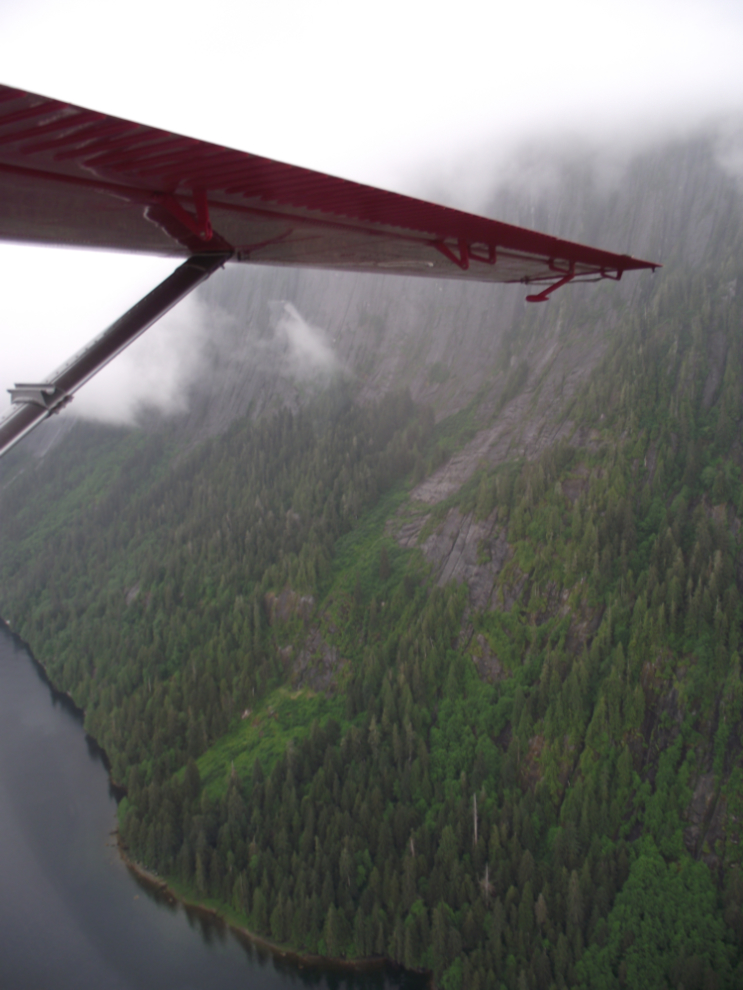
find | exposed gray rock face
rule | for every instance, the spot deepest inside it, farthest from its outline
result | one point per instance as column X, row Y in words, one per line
column 462, row 548
column 471, row 551
column 527, row 425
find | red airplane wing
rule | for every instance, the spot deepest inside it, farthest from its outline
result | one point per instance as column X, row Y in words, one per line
column 75, row 177
column 70, row 176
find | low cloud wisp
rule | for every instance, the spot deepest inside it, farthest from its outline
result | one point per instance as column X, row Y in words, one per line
column 307, row 353
column 153, row 373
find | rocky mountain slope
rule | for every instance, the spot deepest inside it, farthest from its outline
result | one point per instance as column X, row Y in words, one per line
column 448, row 674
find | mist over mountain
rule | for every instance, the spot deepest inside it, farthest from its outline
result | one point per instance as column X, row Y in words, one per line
column 417, row 634
column 677, row 204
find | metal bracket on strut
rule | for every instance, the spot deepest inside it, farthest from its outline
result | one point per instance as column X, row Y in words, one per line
column 463, row 261
column 48, row 396
column 544, row 295
column 466, row 253
column 567, row 276
column 199, row 224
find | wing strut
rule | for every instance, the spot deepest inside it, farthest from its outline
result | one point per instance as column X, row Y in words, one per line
column 33, row 402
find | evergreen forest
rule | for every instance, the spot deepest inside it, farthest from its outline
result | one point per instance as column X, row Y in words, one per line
column 353, row 756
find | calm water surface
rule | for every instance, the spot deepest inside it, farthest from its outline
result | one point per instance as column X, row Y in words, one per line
column 71, row 914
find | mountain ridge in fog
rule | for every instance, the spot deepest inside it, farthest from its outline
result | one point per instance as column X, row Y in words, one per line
column 676, row 204
column 679, row 202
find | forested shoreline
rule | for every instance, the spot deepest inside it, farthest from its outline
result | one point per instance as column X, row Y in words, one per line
column 358, row 759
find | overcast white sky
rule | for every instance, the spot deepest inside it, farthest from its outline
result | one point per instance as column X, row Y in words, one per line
column 382, row 92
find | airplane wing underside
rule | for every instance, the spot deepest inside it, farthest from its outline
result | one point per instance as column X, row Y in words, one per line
column 71, row 176
column 76, row 177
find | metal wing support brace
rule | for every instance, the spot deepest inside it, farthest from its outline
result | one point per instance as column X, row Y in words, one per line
column 33, row 402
